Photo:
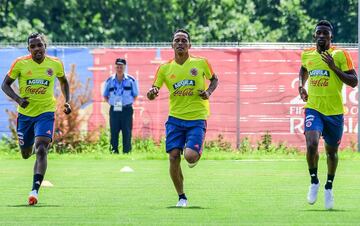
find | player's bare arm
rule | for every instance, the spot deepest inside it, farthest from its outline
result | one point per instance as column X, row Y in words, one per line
column 152, row 93
column 205, row 94
column 303, row 76
column 66, row 92
column 347, row 77
column 6, row 87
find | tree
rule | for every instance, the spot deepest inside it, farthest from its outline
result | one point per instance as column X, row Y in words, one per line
column 296, row 25
column 341, row 13
column 155, row 20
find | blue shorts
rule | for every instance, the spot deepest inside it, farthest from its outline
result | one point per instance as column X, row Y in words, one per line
column 185, row 133
column 331, row 127
column 30, row 127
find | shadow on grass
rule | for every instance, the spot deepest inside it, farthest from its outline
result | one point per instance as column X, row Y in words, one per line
column 324, row 210
column 36, row 206
column 188, row 207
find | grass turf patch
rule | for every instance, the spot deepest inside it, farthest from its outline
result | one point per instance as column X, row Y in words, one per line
column 230, row 192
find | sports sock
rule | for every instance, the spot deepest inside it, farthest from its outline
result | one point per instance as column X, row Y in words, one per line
column 329, row 181
column 313, row 175
column 182, row 196
column 38, row 178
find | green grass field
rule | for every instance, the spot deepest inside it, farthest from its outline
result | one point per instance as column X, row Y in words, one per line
column 91, row 191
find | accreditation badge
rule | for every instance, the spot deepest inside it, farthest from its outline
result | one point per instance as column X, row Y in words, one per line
column 118, row 104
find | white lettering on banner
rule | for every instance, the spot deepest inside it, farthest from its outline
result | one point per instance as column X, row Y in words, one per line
column 296, row 110
column 350, row 126
column 353, row 96
column 354, row 110
column 293, row 83
column 296, row 125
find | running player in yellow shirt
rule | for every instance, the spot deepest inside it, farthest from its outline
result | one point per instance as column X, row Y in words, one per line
column 185, row 76
column 36, row 104
column 326, row 68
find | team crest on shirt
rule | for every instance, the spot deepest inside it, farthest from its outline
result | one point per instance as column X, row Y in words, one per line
column 172, row 76
column 50, row 72
column 194, row 72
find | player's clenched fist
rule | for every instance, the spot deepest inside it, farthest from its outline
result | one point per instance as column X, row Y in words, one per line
column 303, row 94
column 23, row 102
column 204, row 94
column 153, row 93
column 67, row 109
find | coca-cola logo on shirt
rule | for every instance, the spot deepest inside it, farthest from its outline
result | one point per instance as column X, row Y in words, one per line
column 323, row 82
column 184, row 92
column 38, row 90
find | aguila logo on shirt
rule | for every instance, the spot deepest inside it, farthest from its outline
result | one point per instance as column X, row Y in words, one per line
column 50, row 72
column 194, row 72
column 182, row 83
column 319, row 73
column 42, row 82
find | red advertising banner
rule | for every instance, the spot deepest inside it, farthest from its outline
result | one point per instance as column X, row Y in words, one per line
column 257, row 93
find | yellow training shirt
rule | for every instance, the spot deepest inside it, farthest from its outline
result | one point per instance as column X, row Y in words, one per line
column 324, row 86
column 36, row 81
column 184, row 82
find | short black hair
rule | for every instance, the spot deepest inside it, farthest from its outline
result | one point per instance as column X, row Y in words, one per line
column 36, row 35
column 325, row 23
column 181, row 30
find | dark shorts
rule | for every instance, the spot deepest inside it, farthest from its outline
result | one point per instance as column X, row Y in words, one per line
column 331, row 127
column 185, row 133
column 30, row 127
